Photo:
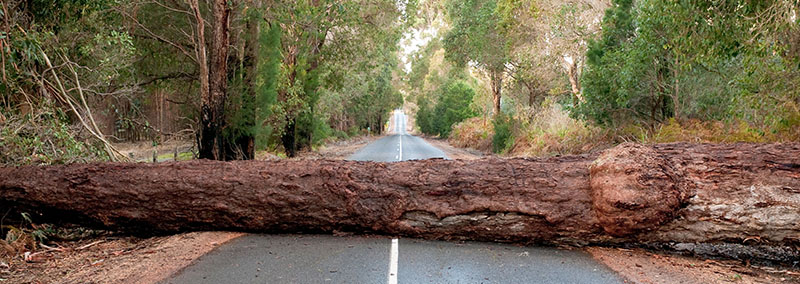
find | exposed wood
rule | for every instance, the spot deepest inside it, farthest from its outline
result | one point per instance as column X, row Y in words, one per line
column 631, row 193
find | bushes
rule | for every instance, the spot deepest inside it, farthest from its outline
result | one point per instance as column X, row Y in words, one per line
column 553, row 132
column 503, row 137
column 453, row 107
column 475, row 133
column 44, row 138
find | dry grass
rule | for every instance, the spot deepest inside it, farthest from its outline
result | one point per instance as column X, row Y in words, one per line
column 714, row 132
column 551, row 131
column 475, row 133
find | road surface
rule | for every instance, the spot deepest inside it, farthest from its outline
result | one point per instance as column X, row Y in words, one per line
column 374, row 259
column 399, row 146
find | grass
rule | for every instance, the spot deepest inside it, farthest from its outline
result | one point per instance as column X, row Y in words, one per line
column 551, row 131
column 182, row 156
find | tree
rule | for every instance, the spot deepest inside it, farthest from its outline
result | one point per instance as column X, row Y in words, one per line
column 214, row 96
column 649, row 194
column 319, row 33
column 659, row 60
column 475, row 38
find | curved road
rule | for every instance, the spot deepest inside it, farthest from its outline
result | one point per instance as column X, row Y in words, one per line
column 360, row 259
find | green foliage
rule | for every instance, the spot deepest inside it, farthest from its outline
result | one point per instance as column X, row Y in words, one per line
column 44, row 138
column 425, row 117
column 255, row 94
column 658, row 60
column 503, row 136
column 475, row 34
column 453, row 106
column 266, row 82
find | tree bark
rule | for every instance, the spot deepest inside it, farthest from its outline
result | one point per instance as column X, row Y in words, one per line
column 630, row 193
column 496, row 78
column 573, row 75
column 212, row 116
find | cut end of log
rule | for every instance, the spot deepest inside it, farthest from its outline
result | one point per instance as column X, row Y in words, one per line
column 634, row 189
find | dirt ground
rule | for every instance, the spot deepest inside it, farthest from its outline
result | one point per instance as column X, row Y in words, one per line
column 143, row 151
column 113, row 260
column 339, row 150
column 454, row 152
column 642, row 266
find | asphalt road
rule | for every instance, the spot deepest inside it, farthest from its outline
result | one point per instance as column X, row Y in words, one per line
column 365, row 259
column 398, row 146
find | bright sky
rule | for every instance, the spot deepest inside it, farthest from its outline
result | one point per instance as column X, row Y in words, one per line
column 412, row 42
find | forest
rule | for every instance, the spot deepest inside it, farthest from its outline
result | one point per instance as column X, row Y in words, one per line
column 638, row 125
column 514, row 77
column 233, row 76
column 569, row 77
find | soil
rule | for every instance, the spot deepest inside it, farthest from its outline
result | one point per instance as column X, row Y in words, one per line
column 454, row 152
column 642, row 266
column 114, row 259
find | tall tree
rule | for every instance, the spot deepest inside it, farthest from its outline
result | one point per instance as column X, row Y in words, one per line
column 212, row 110
column 475, row 38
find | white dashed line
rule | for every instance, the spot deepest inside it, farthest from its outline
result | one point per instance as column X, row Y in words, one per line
column 393, row 263
column 400, row 149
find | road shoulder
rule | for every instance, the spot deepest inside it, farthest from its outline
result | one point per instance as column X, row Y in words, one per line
column 118, row 260
column 642, row 266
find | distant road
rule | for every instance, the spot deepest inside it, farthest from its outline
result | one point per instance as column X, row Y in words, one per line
column 365, row 259
column 399, row 146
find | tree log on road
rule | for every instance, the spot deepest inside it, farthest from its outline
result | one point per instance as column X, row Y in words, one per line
column 630, row 193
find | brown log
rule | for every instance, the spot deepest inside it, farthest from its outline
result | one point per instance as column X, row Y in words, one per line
column 630, row 193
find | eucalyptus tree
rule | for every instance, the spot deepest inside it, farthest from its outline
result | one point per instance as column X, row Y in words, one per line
column 548, row 40
column 475, row 38
column 316, row 33
column 660, row 60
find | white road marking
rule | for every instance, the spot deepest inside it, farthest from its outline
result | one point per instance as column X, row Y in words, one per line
column 393, row 263
column 400, row 156
column 399, row 121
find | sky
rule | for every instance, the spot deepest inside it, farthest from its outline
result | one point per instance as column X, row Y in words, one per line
column 412, row 42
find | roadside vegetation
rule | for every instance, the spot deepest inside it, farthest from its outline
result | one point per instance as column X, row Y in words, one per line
column 235, row 77
column 556, row 77
column 101, row 80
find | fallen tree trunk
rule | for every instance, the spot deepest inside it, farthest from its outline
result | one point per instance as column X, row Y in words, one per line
column 630, row 193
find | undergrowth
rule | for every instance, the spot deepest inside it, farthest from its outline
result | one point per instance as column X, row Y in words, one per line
column 44, row 138
column 551, row 131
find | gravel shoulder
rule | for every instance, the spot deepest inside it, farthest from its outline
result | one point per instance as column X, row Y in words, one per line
column 643, row 266
column 455, row 153
column 115, row 259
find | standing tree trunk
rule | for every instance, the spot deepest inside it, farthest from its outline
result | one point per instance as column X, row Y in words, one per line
column 212, row 111
column 496, row 78
column 676, row 112
column 574, row 80
column 289, row 138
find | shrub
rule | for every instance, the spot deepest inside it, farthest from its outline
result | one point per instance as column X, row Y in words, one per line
column 43, row 138
column 503, row 137
column 475, row 133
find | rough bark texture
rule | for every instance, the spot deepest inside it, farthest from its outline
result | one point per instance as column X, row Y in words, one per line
column 212, row 111
column 646, row 194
